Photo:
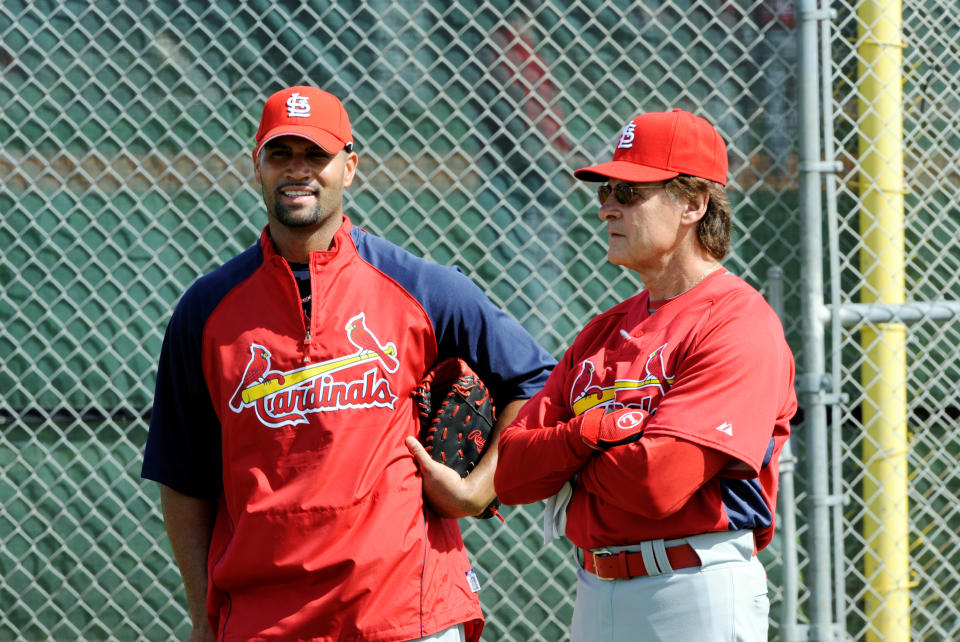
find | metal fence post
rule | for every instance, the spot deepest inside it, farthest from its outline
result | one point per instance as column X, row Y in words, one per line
column 811, row 380
column 787, row 497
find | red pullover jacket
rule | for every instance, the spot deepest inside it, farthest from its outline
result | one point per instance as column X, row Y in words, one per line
column 297, row 429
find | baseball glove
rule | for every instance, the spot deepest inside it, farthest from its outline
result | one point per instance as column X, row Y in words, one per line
column 456, row 418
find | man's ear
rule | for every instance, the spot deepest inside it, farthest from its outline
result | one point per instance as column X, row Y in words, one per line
column 256, row 169
column 696, row 207
column 350, row 168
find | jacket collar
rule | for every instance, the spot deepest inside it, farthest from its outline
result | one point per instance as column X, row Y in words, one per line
column 341, row 239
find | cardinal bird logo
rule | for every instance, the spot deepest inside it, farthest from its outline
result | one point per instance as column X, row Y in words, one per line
column 360, row 336
column 258, row 366
column 656, row 370
column 583, row 385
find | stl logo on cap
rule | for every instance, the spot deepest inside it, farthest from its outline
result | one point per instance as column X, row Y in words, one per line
column 298, row 106
column 626, row 138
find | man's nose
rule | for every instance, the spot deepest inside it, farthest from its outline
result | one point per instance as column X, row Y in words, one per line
column 298, row 165
column 607, row 211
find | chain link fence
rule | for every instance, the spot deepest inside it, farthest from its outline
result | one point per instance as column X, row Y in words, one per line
column 928, row 270
column 124, row 154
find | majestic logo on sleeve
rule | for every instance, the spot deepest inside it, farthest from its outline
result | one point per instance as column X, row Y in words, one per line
column 726, row 428
column 645, row 393
column 286, row 398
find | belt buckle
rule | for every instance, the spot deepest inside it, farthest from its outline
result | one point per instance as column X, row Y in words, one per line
column 602, row 553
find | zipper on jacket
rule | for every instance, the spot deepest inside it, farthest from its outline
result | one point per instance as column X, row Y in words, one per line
column 306, row 325
column 308, row 318
column 299, row 302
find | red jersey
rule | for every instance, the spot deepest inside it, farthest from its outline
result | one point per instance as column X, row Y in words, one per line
column 712, row 368
column 296, row 426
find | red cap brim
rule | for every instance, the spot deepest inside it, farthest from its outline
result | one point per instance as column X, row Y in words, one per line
column 330, row 143
column 623, row 171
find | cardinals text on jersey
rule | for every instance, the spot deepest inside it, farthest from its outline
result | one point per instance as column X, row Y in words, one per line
column 285, row 398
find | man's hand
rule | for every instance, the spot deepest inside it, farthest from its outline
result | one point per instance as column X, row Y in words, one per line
column 447, row 493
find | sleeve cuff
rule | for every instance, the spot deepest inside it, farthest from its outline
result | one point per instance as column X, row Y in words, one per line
column 590, row 423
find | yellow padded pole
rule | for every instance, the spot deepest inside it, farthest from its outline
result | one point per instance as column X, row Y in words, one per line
column 887, row 555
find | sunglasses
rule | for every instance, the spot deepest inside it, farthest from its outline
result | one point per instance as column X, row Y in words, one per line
column 625, row 194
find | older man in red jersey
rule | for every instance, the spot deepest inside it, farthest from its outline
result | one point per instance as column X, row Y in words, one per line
column 656, row 438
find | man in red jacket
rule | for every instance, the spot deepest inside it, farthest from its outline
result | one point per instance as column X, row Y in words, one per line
column 283, row 428
column 656, row 438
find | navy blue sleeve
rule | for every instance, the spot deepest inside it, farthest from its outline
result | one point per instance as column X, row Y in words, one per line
column 466, row 323
column 183, row 443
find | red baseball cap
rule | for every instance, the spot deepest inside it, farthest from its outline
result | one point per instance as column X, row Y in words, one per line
column 661, row 145
column 307, row 112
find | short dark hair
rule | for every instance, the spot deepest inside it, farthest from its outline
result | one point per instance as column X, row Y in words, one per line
column 713, row 230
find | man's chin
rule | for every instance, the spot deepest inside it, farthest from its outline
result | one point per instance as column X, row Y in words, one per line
column 615, row 258
column 298, row 223
column 299, row 217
